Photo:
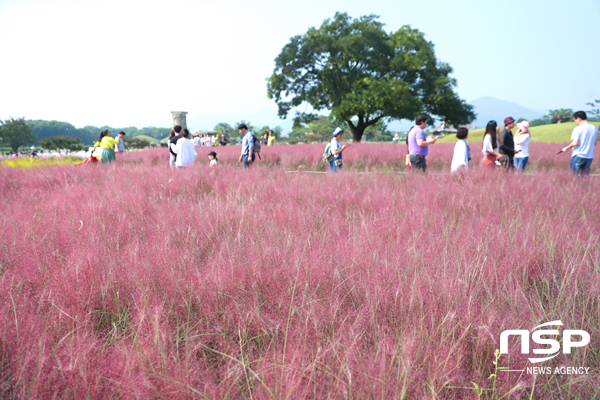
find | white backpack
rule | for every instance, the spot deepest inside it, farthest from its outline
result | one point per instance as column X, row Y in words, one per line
column 328, row 155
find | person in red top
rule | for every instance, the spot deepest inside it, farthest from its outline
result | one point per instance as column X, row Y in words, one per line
column 408, row 164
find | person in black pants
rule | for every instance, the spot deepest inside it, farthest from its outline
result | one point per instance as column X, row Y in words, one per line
column 175, row 136
column 507, row 147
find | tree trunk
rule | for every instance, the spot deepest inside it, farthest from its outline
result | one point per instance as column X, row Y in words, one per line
column 356, row 132
column 358, row 129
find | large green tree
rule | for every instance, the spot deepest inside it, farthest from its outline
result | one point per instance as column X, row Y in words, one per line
column 16, row 133
column 560, row 115
column 363, row 74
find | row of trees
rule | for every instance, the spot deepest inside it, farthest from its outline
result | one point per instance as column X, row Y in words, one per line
column 59, row 135
column 223, row 128
column 321, row 127
column 55, row 135
column 566, row 115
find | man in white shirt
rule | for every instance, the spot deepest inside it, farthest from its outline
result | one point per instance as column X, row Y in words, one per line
column 584, row 138
column 207, row 141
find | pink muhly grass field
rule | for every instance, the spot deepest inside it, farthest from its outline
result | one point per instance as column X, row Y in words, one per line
column 362, row 156
column 139, row 281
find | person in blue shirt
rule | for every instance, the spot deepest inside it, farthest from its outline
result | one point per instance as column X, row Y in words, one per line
column 247, row 156
column 584, row 138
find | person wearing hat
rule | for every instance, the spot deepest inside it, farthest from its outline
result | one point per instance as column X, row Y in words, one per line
column 507, row 143
column 247, row 156
column 522, row 145
column 213, row 161
column 336, row 149
column 197, row 140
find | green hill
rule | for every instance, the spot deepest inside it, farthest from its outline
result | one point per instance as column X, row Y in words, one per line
column 552, row 133
column 146, row 138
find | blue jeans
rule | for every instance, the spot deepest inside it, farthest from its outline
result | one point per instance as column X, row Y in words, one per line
column 333, row 167
column 246, row 165
column 520, row 163
column 580, row 166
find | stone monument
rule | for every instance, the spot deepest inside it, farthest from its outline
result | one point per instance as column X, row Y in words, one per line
column 179, row 118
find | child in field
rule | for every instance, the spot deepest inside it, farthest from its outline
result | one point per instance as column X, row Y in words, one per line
column 213, row 161
column 462, row 152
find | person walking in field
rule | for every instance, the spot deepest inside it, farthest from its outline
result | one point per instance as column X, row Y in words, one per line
column 462, row 152
column 522, row 145
column 223, row 141
column 264, row 140
column 185, row 150
column 271, row 140
column 247, row 156
column 173, row 139
column 418, row 145
column 490, row 146
column 107, row 144
column 207, row 141
column 337, row 163
column 583, row 139
column 507, row 143
column 196, row 140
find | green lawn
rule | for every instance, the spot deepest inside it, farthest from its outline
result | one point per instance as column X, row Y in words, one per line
column 553, row 133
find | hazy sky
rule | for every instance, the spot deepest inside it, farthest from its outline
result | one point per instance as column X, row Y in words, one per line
column 129, row 63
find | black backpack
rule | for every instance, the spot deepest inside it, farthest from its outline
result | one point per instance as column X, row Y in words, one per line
column 257, row 145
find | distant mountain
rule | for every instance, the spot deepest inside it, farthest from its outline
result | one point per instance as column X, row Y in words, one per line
column 490, row 108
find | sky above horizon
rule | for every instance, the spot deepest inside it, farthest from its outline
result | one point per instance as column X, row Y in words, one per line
column 130, row 63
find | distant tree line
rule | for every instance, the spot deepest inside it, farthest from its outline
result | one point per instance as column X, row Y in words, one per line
column 321, row 128
column 565, row 115
column 89, row 134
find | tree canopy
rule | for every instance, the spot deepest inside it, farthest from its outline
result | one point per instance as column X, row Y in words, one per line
column 45, row 129
column 62, row 143
column 594, row 113
column 16, row 133
column 363, row 74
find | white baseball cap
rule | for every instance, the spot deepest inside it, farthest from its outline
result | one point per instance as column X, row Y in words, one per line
column 337, row 131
